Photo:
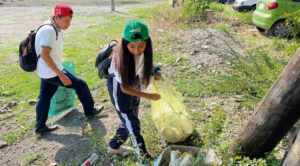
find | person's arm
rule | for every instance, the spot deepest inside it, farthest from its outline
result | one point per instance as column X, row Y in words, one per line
column 133, row 92
column 45, row 55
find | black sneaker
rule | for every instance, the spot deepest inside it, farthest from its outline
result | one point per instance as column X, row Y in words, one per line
column 46, row 129
column 96, row 111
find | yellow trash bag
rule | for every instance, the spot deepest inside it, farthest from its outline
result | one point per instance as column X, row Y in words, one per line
column 169, row 113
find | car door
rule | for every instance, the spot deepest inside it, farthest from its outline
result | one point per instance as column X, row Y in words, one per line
column 292, row 7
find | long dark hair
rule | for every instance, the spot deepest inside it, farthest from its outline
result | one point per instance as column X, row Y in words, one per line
column 126, row 66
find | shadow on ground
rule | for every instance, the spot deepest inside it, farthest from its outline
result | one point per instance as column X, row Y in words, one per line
column 73, row 137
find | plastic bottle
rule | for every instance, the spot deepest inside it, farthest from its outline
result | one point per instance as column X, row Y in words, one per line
column 186, row 161
column 174, row 155
column 90, row 160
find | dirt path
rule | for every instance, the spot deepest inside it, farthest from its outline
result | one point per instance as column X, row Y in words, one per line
column 19, row 17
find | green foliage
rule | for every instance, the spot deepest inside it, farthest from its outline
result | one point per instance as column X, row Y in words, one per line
column 31, row 158
column 225, row 28
column 291, row 48
column 239, row 18
column 269, row 160
column 213, row 129
column 293, row 20
column 211, row 134
column 12, row 136
column 195, row 9
column 217, row 8
column 251, row 75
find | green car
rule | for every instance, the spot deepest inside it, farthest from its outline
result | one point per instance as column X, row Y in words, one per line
column 270, row 16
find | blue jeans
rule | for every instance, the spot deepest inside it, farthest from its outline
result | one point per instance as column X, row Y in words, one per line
column 48, row 88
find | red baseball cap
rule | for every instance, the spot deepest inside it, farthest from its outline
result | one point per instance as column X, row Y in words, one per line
column 62, row 10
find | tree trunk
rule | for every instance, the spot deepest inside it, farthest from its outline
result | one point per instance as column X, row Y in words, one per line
column 275, row 115
column 292, row 157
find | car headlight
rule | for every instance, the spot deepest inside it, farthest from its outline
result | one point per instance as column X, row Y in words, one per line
column 240, row 3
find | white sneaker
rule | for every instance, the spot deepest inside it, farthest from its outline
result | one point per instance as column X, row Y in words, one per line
column 124, row 150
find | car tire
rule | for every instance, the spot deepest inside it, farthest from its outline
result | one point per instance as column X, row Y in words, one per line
column 280, row 29
column 260, row 29
column 253, row 8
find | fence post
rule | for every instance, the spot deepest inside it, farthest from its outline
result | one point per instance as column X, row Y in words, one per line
column 112, row 4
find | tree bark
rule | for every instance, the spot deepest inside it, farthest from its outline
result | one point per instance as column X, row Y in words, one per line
column 292, row 157
column 275, row 115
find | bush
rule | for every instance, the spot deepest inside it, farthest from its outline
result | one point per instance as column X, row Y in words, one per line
column 294, row 19
column 195, row 9
column 217, row 8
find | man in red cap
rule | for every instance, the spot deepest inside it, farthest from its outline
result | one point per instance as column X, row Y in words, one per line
column 49, row 46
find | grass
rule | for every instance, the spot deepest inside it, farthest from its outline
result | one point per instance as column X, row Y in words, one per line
column 250, row 75
column 217, row 8
column 134, row 0
column 24, row 86
column 31, row 158
column 80, row 46
column 46, row 4
column 225, row 28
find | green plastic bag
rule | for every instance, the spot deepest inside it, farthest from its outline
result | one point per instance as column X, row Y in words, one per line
column 64, row 98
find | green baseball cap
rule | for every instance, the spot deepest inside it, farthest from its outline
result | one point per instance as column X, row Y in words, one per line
column 135, row 27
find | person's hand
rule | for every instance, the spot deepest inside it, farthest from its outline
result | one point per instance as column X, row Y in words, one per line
column 157, row 75
column 155, row 97
column 65, row 80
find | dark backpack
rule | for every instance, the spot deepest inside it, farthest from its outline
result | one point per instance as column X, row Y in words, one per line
column 103, row 61
column 27, row 55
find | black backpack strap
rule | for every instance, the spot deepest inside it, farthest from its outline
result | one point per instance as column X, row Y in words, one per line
column 52, row 27
column 55, row 32
column 110, row 75
column 37, row 59
column 112, row 41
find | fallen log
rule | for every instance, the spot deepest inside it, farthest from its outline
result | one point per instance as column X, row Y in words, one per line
column 275, row 115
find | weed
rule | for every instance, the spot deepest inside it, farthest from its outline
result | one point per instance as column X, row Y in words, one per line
column 31, row 158
column 216, row 7
column 195, row 9
column 11, row 136
column 238, row 19
column 225, row 28
column 290, row 49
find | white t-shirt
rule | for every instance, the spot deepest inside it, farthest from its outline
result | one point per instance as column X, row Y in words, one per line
column 46, row 37
column 139, row 62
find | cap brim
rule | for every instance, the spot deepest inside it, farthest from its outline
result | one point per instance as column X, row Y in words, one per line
column 63, row 16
